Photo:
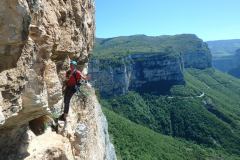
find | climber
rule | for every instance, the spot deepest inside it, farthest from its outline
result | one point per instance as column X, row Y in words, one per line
column 72, row 77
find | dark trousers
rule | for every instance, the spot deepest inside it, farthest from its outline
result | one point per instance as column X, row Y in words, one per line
column 67, row 97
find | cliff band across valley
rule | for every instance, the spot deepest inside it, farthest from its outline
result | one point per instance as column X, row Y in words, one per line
column 142, row 63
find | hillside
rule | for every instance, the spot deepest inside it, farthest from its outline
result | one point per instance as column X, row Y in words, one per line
column 223, row 47
column 125, row 64
column 206, row 111
column 133, row 141
column 223, row 53
column 166, row 84
column 118, row 47
column 223, row 63
column 228, row 64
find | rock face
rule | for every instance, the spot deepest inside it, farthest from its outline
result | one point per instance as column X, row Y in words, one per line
column 236, row 59
column 145, row 71
column 14, row 29
column 118, row 80
column 222, row 64
column 84, row 137
column 229, row 64
column 38, row 39
column 199, row 58
column 235, row 65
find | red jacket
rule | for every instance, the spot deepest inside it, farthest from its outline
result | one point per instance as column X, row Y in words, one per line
column 72, row 80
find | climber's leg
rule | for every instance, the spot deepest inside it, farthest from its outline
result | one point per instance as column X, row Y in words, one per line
column 67, row 98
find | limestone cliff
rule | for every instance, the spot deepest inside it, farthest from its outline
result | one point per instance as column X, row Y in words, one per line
column 144, row 71
column 151, row 68
column 199, row 58
column 38, row 39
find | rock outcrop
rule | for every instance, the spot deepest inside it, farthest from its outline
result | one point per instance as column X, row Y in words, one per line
column 200, row 58
column 14, row 29
column 144, row 71
column 84, row 137
column 151, row 68
column 38, row 39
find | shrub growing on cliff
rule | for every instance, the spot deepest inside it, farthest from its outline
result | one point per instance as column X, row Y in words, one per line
column 39, row 125
column 97, row 93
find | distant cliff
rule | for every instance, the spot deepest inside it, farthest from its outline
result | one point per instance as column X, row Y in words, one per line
column 236, row 59
column 235, row 65
column 223, row 47
column 223, row 52
column 142, row 69
column 228, row 64
column 222, row 63
column 146, row 71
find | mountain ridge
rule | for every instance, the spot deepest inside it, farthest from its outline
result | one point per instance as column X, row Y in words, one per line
column 223, row 47
column 129, row 63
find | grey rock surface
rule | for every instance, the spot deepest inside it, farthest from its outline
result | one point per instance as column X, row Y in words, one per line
column 38, row 39
column 145, row 69
column 235, row 65
column 223, row 64
column 236, row 59
column 199, row 58
column 109, row 148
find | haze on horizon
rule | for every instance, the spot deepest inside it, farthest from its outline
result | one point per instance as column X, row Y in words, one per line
column 209, row 20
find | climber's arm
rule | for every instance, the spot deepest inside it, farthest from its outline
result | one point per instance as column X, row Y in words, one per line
column 86, row 78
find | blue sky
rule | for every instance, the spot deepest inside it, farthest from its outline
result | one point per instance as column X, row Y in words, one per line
column 208, row 19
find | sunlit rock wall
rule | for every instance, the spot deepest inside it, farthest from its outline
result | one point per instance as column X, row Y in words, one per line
column 144, row 70
column 38, row 39
column 119, row 80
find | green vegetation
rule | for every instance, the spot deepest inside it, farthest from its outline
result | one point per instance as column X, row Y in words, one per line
column 112, row 50
column 97, row 93
column 221, row 57
column 224, row 47
column 203, row 123
column 113, row 63
column 39, row 125
column 133, row 141
column 116, row 48
column 82, row 90
column 199, row 120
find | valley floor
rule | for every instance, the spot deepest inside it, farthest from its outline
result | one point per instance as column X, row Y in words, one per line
column 199, row 120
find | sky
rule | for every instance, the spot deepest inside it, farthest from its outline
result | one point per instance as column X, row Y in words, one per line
column 208, row 19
